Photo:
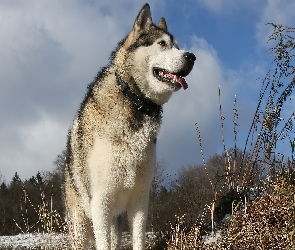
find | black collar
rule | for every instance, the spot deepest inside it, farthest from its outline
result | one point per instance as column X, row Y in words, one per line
column 140, row 104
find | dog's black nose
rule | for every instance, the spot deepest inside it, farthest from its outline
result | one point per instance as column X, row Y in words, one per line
column 190, row 57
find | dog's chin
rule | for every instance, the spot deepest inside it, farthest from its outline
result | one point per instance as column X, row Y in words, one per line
column 174, row 81
column 172, row 86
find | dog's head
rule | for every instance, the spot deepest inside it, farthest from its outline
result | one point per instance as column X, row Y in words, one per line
column 152, row 59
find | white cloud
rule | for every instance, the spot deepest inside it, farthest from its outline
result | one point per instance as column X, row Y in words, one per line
column 199, row 103
column 37, row 146
column 277, row 12
column 50, row 51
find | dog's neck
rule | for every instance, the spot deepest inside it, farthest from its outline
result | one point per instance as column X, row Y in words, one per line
column 139, row 103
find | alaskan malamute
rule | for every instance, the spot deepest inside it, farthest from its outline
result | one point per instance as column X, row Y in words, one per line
column 111, row 151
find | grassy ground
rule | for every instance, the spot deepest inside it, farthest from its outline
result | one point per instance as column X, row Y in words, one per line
column 268, row 222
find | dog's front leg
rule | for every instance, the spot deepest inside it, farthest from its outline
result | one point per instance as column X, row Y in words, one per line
column 116, row 232
column 101, row 221
column 137, row 214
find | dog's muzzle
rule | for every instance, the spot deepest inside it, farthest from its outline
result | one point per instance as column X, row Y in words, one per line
column 176, row 79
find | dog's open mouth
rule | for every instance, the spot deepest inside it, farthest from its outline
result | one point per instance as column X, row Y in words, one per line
column 174, row 80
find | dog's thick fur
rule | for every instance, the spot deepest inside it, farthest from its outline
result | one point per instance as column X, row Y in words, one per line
column 112, row 142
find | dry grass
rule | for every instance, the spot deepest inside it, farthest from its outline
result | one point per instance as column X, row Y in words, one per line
column 267, row 223
column 49, row 220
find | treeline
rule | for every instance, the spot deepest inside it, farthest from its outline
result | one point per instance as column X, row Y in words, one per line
column 36, row 205
column 192, row 192
column 31, row 205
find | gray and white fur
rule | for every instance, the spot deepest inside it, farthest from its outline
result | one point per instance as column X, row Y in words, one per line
column 111, row 151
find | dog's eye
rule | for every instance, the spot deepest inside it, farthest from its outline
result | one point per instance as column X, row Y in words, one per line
column 162, row 43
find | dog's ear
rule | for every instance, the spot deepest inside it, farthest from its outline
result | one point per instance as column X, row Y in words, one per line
column 144, row 19
column 142, row 23
column 162, row 24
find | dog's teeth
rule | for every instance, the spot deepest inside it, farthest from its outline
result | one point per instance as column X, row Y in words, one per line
column 174, row 79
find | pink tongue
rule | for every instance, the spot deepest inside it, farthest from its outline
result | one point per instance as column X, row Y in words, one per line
column 182, row 82
column 178, row 79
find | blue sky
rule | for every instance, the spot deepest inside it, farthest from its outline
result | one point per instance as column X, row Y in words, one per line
column 51, row 50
